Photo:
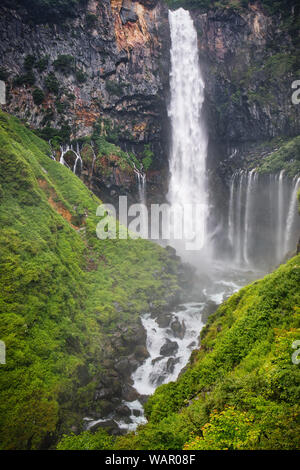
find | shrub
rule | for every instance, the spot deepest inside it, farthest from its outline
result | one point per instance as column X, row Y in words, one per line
column 64, row 63
column 91, row 20
column 26, row 79
column 29, row 62
column 38, row 96
column 80, row 76
column 51, row 83
column 41, row 64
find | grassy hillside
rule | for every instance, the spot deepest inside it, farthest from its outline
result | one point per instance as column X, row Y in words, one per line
column 241, row 389
column 62, row 290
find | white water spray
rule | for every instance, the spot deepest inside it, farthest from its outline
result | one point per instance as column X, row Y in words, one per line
column 189, row 140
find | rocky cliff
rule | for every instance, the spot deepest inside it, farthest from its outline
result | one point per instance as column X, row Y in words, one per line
column 102, row 70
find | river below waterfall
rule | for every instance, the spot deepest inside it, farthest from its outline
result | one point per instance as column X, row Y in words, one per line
column 171, row 338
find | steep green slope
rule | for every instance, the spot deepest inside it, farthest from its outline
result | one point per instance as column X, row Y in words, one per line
column 241, row 389
column 62, row 290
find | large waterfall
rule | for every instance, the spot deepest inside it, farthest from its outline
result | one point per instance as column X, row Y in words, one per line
column 263, row 222
column 187, row 184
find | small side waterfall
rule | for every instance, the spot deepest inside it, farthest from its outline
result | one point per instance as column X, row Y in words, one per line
column 263, row 224
column 292, row 215
column 64, row 149
column 187, row 184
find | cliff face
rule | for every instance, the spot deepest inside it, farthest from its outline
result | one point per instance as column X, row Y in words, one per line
column 250, row 60
column 105, row 66
column 105, row 70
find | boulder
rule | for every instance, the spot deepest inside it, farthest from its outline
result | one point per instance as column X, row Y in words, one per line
column 169, row 348
column 178, row 328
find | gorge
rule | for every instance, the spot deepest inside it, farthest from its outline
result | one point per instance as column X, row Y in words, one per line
column 142, row 341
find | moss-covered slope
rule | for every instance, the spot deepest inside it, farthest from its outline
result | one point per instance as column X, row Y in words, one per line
column 241, row 389
column 62, row 290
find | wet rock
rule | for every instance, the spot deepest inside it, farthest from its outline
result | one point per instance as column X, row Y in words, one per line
column 180, row 308
column 123, row 411
column 210, row 307
column 141, row 353
column 178, row 329
column 136, row 412
column 163, row 320
column 169, row 348
column 157, row 359
column 129, row 393
column 123, row 366
column 172, row 361
column 110, row 426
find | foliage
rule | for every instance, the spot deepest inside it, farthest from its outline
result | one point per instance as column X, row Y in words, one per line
column 38, row 96
column 64, row 63
column 87, row 441
column 241, row 389
column 148, row 156
column 114, row 88
column 41, row 64
column 81, row 76
column 42, row 11
column 58, row 290
column 51, row 83
column 287, row 158
column 226, row 430
column 27, row 78
column 91, row 20
column 29, row 62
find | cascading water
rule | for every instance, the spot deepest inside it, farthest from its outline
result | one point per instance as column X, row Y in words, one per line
column 187, row 184
column 78, row 160
column 262, row 218
column 260, row 206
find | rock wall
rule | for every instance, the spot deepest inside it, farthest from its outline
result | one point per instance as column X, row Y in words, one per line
column 107, row 66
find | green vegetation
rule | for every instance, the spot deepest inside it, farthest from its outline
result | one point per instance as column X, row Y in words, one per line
column 29, row 62
column 42, row 63
column 3, row 74
column 147, row 157
column 51, row 83
column 81, row 76
column 64, row 63
column 287, row 158
column 49, row 11
column 91, row 20
column 114, row 88
column 38, row 96
column 241, row 389
column 27, row 78
column 58, row 291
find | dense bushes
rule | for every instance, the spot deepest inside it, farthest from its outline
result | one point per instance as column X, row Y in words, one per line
column 241, row 389
column 58, row 291
column 287, row 158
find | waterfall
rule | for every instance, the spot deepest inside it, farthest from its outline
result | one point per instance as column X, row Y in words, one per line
column 280, row 227
column 78, row 158
column 263, row 222
column 292, row 213
column 248, row 213
column 189, row 141
column 69, row 148
column 142, row 182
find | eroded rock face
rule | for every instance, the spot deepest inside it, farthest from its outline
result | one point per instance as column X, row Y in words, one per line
column 117, row 76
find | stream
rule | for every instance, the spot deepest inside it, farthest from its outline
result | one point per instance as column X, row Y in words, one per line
column 171, row 338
